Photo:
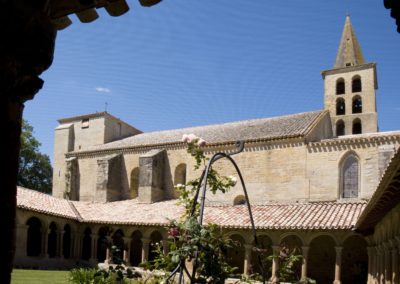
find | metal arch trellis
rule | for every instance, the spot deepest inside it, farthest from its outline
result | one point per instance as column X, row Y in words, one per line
column 181, row 267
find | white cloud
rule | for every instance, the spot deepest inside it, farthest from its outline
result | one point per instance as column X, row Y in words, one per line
column 103, row 90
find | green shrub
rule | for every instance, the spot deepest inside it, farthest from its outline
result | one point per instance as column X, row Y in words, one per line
column 89, row 276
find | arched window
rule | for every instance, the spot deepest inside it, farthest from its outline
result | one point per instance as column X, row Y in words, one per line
column 102, row 244
column 340, row 86
column 356, row 84
column 239, row 200
column 118, row 243
column 155, row 238
column 67, row 241
column 340, row 128
column 357, row 127
column 350, row 177
column 340, row 107
column 134, row 188
column 357, row 105
column 34, row 237
column 180, row 174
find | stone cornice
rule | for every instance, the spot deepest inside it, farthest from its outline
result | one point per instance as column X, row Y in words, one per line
column 249, row 144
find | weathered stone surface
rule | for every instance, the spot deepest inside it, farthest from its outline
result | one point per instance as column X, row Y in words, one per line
column 151, row 176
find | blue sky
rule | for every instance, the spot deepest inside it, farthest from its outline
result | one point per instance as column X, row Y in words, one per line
column 184, row 63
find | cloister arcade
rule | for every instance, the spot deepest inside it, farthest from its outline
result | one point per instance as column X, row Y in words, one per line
column 51, row 242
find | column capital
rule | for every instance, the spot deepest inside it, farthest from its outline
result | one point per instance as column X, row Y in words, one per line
column 338, row 249
column 146, row 241
column 248, row 246
column 305, row 249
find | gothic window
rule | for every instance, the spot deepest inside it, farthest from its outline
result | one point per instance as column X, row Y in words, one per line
column 340, row 87
column 356, row 84
column 350, row 177
column 180, row 174
column 357, row 127
column 357, row 105
column 134, row 187
column 340, row 107
column 340, row 128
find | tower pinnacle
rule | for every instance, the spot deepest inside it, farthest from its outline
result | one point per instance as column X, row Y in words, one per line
column 349, row 52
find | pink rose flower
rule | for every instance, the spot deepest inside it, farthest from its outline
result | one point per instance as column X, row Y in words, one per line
column 201, row 142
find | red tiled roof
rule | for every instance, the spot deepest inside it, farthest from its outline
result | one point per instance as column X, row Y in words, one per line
column 299, row 216
column 44, row 203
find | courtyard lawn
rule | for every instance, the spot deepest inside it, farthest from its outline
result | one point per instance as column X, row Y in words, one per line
column 23, row 276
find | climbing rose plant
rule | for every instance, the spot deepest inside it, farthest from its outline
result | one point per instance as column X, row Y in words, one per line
column 188, row 238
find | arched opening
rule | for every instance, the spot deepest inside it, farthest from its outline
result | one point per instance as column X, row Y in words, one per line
column 357, row 127
column 354, row 261
column 350, row 177
column 290, row 247
column 34, row 237
column 66, row 249
column 235, row 254
column 87, row 244
column 118, row 246
column 340, row 128
column 136, row 248
column 52, row 240
column 265, row 245
column 340, row 86
column 356, row 84
column 134, row 186
column 239, row 200
column 340, row 107
column 180, row 174
column 155, row 240
column 102, row 244
column 357, row 105
column 321, row 259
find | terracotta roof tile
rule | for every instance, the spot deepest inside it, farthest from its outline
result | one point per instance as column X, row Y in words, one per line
column 299, row 216
column 44, row 203
column 265, row 128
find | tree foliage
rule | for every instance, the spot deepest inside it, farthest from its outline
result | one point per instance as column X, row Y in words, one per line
column 35, row 171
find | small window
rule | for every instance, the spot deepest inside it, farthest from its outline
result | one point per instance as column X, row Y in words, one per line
column 340, row 107
column 357, row 105
column 348, row 64
column 356, row 84
column 239, row 200
column 340, row 87
column 357, row 127
column 340, row 128
column 85, row 123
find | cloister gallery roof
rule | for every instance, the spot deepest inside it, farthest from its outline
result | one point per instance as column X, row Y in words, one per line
column 295, row 216
column 281, row 127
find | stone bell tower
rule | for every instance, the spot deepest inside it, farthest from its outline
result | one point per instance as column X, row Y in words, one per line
column 349, row 88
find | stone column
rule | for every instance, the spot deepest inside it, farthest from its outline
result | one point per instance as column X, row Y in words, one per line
column 388, row 262
column 145, row 249
column 304, row 250
column 338, row 265
column 247, row 268
column 165, row 245
column 381, row 267
column 108, row 251
column 371, row 260
column 60, row 244
column 45, row 241
column 127, row 250
column 21, row 240
column 275, row 263
column 395, row 265
column 27, row 47
column 93, row 249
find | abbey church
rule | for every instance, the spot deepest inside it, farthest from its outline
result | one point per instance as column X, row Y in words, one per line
column 314, row 180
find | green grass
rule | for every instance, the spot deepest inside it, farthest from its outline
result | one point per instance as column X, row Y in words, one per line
column 23, row 276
